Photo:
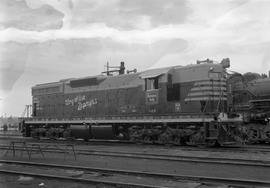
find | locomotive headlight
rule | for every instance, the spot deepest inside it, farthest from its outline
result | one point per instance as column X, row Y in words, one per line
column 211, row 68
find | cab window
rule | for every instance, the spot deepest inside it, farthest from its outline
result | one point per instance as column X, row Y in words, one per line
column 151, row 83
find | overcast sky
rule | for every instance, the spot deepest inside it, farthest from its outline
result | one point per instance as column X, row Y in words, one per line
column 48, row 40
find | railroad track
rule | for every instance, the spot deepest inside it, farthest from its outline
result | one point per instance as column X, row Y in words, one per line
column 9, row 168
column 10, row 133
column 63, row 176
column 152, row 156
column 165, row 158
column 239, row 149
column 76, row 141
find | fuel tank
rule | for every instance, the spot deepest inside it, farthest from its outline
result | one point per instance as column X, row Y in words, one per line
column 80, row 131
column 102, row 131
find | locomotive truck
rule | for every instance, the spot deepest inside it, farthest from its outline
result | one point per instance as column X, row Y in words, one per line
column 176, row 104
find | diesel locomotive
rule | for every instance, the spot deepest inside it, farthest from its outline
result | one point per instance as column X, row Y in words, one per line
column 177, row 104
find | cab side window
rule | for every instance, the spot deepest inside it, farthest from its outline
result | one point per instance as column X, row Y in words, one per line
column 151, row 83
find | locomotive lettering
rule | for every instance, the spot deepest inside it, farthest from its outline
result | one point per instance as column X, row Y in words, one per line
column 152, row 97
column 83, row 105
column 75, row 100
column 81, row 101
column 177, row 107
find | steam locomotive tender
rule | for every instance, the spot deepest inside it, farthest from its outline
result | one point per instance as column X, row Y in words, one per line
column 177, row 104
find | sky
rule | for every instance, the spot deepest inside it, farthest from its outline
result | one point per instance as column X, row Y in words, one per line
column 47, row 40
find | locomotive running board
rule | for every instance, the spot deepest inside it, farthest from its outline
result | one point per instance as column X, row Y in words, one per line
column 131, row 119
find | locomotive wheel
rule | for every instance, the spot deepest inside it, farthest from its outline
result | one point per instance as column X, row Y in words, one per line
column 183, row 141
column 192, row 140
column 163, row 138
column 266, row 134
column 132, row 138
column 212, row 143
column 135, row 138
column 67, row 134
column 177, row 141
column 35, row 134
column 135, row 135
column 196, row 139
column 253, row 135
column 147, row 140
column 50, row 134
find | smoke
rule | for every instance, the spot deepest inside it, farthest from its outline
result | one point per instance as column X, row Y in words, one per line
column 64, row 6
column 97, row 30
column 231, row 29
column 237, row 24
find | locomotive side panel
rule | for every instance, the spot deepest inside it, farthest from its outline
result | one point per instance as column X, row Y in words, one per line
column 105, row 103
column 187, row 96
column 82, row 104
column 134, row 103
column 48, row 100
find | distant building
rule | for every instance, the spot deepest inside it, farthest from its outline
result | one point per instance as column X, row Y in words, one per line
column 11, row 122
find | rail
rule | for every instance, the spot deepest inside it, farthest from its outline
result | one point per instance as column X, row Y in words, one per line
column 38, row 148
column 154, row 156
column 177, row 177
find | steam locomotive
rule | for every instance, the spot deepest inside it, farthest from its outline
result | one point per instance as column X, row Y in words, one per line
column 177, row 104
column 249, row 95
